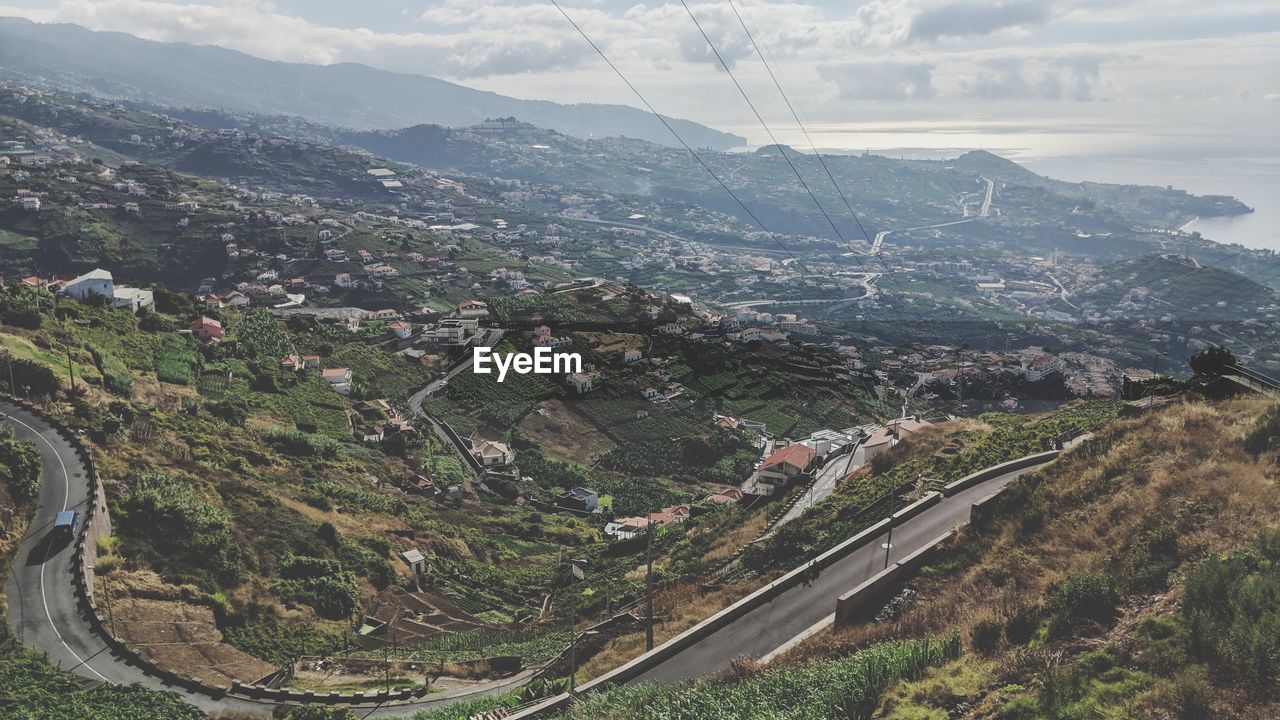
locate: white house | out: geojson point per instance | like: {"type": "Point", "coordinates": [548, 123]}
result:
{"type": "Point", "coordinates": [401, 329]}
{"type": "Point", "coordinates": [132, 298]}
{"type": "Point", "coordinates": [94, 282]}
{"type": "Point", "coordinates": [490, 453]}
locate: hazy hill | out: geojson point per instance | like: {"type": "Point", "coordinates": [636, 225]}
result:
{"type": "Point", "coordinates": [347, 94]}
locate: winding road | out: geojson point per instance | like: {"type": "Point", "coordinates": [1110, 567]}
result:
{"type": "Point", "coordinates": [45, 612]}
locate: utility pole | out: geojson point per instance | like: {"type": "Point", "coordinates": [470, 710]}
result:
{"type": "Point", "coordinates": [888, 543]}
{"type": "Point", "coordinates": [13, 389]}
{"type": "Point", "coordinates": [648, 586]}
{"type": "Point", "coordinates": [71, 369]}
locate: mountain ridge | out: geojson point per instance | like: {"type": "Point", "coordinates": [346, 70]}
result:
{"type": "Point", "coordinates": [345, 94]}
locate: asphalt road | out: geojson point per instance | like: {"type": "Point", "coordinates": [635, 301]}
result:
{"type": "Point", "coordinates": [773, 624]}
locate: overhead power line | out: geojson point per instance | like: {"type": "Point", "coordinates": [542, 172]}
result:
{"type": "Point", "coordinates": [796, 115]}
{"type": "Point", "coordinates": [763, 124]}
{"type": "Point", "coordinates": [681, 140]}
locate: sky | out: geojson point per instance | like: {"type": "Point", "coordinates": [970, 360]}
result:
{"type": "Point", "coordinates": [1178, 79]}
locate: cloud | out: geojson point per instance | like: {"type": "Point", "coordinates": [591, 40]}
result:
{"type": "Point", "coordinates": [880, 80]}
{"type": "Point", "coordinates": [1045, 78]}
{"type": "Point", "coordinates": [970, 18]}
{"type": "Point", "coordinates": [468, 41]}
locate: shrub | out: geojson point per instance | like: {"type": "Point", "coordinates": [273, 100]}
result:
{"type": "Point", "coordinates": [1021, 626]}
{"type": "Point", "coordinates": [1265, 436]}
{"type": "Point", "coordinates": [1083, 597]}
{"type": "Point", "coordinates": [301, 444]}
{"type": "Point", "coordinates": [281, 644]}
{"type": "Point", "coordinates": [190, 531]}
{"type": "Point", "coordinates": [322, 584]}
{"type": "Point", "coordinates": [1190, 694]}
{"type": "Point", "coordinates": [1232, 610]}
{"type": "Point", "coordinates": [259, 337]}
{"type": "Point", "coordinates": [20, 467]}
{"type": "Point", "coordinates": [985, 636]}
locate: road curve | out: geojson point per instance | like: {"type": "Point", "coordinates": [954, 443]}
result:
{"type": "Point", "coordinates": [766, 628]}
{"type": "Point", "coordinates": [46, 614]}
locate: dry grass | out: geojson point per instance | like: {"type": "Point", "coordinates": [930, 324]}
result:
{"type": "Point", "coordinates": [564, 434]}
{"type": "Point", "coordinates": [682, 607]}
{"type": "Point", "coordinates": [1090, 508]}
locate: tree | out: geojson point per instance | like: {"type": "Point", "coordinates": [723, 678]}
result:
{"type": "Point", "coordinates": [1211, 361]}
{"type": "Point", "coordinates": [260, 337]}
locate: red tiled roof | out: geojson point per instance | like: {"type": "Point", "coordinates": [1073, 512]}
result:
{"type": "Point", "coordinates": [797, 455]}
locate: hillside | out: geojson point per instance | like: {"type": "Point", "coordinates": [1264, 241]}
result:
{"type": "Point", "coordinates": [1119, 582]}
{"type": "Point", "coordinates": [122, 66]}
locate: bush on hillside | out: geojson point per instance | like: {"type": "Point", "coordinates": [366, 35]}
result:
{"type": "Point", "coordinates": [1265, 435]}
{"type": "Point", "coordinates": [1084, 597]}
{"type": "Point", "coordinates": [20, 467]}
{"type": "Point", "coordinates": [1231, 607]}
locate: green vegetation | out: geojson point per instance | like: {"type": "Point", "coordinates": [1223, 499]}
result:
{"type": "Point", "coordinates": [295, 442]}
{"type": "Point", "coordinates": [281, 644]}
{"type": "Point", "coordinates": [322, 584]}
{"type": "Point", "coordinates": [848, 687]}
{"type": "Point", "coordinates": [176, 358]}
{"type": "Point", "coordinates": [531, 645]}
{"type": "Point", "coordinates": [1231, 608]}
{"type": "Point", "coordinates": [195, 534]}
{"type": "Point", "coordinates": [33, 689]}
{"type": "Point", "coordinates": [20, 465]}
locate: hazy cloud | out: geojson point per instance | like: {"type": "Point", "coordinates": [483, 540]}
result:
{"type": "Point", "coordinates": [1050, 78]}
{"type": "Point", "coordinates": [968, 18]}
{"type": "Point", "coordinates": [880, 80]}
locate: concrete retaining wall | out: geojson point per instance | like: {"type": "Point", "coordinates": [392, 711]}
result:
{"type": "Point", "coordinates": [640, 665]}
{"type": "Point", "coordinates": [864, 601]}
{"type": "Point", "coordinates": [969, 481]}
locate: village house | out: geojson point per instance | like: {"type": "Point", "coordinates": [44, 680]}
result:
{"type": "Point", "coordinates": [786, 463]}
{"type": "Point", "coordinates": [401, 329]}
{"type": "Point", "coordinates": [292, 363]}
{"type": "Point", "coordinates": [473, 309]}
{"type": "Point", "coordinates": [338, 378]}
{"type": "Point", "coordinates": [206, 329]}
{"type": "Point", "coordinates": [490, 453]}
{"type": "Point", "coordinates": [579, 499]}
{"type": "Point", "coordinates": [582, 383]}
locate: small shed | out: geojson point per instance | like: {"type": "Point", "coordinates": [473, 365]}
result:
{"type": "Point", "coordinates": [417, 563]}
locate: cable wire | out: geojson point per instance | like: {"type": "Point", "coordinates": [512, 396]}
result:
{"type": "Point", "coordinates": [677, 136]}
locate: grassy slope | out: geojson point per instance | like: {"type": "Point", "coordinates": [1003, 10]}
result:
{"type": "Point", "coordinates": [1139, 507]}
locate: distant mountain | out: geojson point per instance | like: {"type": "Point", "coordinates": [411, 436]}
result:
{"type": "Point", "coordinates": [350, 95]}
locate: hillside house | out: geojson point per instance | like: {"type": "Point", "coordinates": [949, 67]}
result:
{"type": "Point", "coordinates": [582, 383]}
{"type": "Point", "coordinates": [626, 528]}
{"type": "Point", "coordinates": [473, 309]}
{"type": "Point", "coordinates": [292, 363]}
{"type": "Point", "coordinates": [401, 329]}
{"type": "Point", "coordinates": [579, 499]}
{"type": "Point", "coordinates": [786, 463]}
{"type": "Point", "coordinates": [206, 329]}
{"type": "Point", "coordinates": [491, 454]}
{"type": "Point", "coordinates": [94, 282]}
{"type": "Point", "coordinates": [729, 496]}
